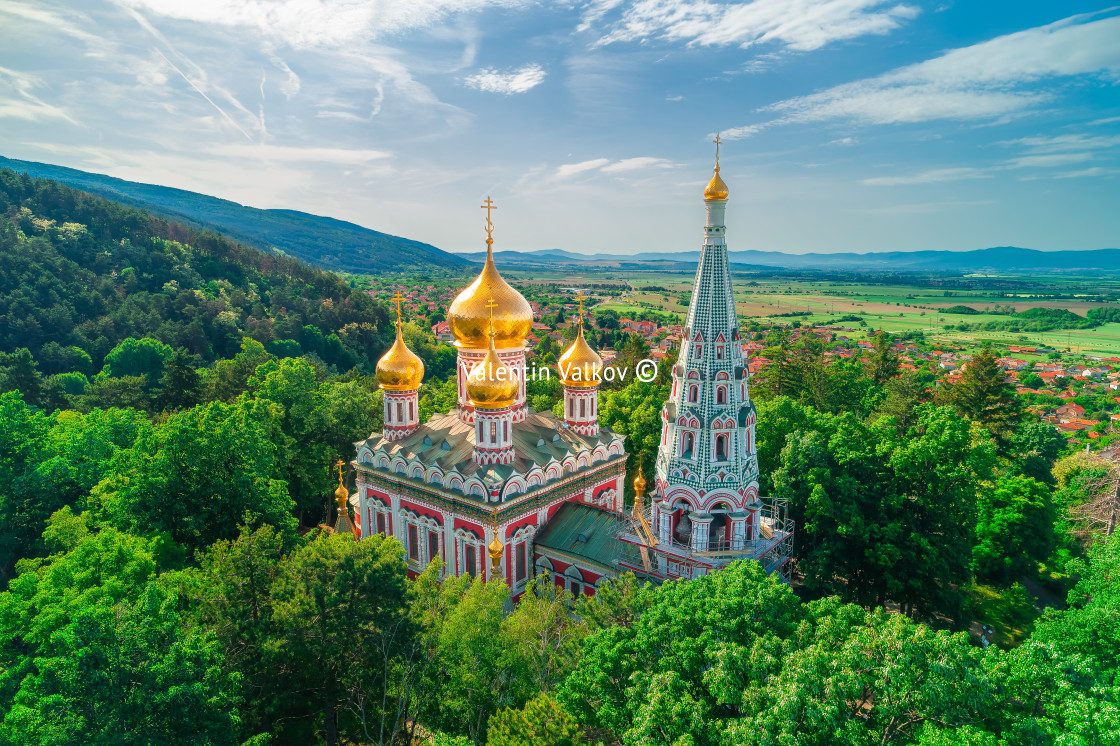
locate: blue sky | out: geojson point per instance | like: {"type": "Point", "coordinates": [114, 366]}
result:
{"type": "Point", "coordinates": [851, 125]}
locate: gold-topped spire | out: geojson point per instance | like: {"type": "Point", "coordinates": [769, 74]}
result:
{"type": "Point", "coordinates": [400, 369]}
{"type": "Point", "coordinates": [716, 189]}
{"type": "Point", "coordinates": [580, 366]}
{"type": "Point", "coordinates": [496, 549]}
{"type": "Point", "coordinates": [639, 482]}
{"type": "Point", "coordinates": [467, 315]}
{"type": "Point", "coordinates": [342, 522]}
{"type": "Point", "coordinates": [492, 384]}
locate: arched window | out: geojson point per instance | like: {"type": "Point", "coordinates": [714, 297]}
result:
{"type": "Point", "coordinates": [721, 448]}
{"type": "Point", "coordinates": [411, 411]}
{"type": "Point", "coordinates": [721, 395]}
{"type": "Point", "coordinates": [505, 431]}
{"type": "Point", "coordinates": [493, 432]}
{"type": "Point", "coordinates": [400, 412]}
{"type": "Point", "coordinates": [582, 408]}
{"type": "Point", "coordinates": [571, 409]}
{"type": "Point", "coordinates": [693, 393]}
{"type": "Point", "coordinates": [687, 442]}
{"type": "Point", "coordinates": [573, 581]}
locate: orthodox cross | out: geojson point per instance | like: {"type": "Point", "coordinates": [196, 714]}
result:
{"type": "Point", "coordinates": [489, 205]}
{"type": "Point", "coordinates": [579, 297]}
{"type": "Point", "coordinates": [491, 305]}
{"type": "Point", "coordinates": [398, 298]}
{"type": "Point", "coordinates": [340, 472]}
{"type": "Point", "coordinates": [717, 141]}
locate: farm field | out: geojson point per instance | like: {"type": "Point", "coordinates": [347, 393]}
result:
{"type": "Point", "coordinates": [894, 307]}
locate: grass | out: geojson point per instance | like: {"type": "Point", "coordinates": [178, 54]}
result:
{"type": "Point", "coordinates": [1010, 612]}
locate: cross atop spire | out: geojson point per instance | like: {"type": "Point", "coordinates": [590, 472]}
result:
{"type": "Point", "coordinates": [398, 298]}
{"type": "Point", "coordinates": [489, 205]}
{"type": "Point", "coordinates": [717, 141]}
{"type": "Point", "coordinates": [580, 296]}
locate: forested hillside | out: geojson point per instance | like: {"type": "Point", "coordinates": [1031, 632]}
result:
{"type": "Point", "coordinates": [89, 286]}
{"type": "Point", "coordinates": [320, 241]}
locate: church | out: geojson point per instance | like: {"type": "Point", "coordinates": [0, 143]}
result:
{"type": "Point", "coordinates": [495, 489]}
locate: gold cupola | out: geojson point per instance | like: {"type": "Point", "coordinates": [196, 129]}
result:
{"type": "Point", "coordinates": [716, 189]}
{"type": "Point", "coordinates": [492, 384]}
{"type": "Point", "coordinates": [400, 369]}
{"type": "Point", "coordinates": [469, 317]}
{"type": "Point", "coordinates": [580, 366]}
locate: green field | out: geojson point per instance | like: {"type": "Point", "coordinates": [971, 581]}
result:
{"type": "Point", "coordinates": [893, 306]}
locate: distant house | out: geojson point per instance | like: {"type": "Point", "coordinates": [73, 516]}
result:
{"type": "Point", "coordinates": [1069, 412]}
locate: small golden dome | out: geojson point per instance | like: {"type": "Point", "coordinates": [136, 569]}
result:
{"type": "Point", "coordinates": [492, 384]}
{"type": "Point", "coordinates": [639, 483]}
{"type": "Point", "coordinates": [400, 369]}
{"type": "Point", "coordinates": [469, 315]}
{"type": "Point", "coordinates": [716, 189]}
{"type": "Point", "coordinates": [341, 495]}
{"type": "Point", "coordinates": [580, 366]}
{"type": "Point", "coordinates": [496, 549]}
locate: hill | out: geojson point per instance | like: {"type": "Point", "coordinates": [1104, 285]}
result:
{"type": "Point", "coordinates": [998, 259]}
{"type": "Point", "coordinates": [325, 242]}
{"type": "Point", "coordinates": [80, 274]}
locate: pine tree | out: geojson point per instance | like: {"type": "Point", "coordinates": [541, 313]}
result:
{"type": "Point", "coordinates": [883, 360]}
{"type": "Point", "coordinates": [984, 395]}
{"type": "Point", "coordinates": [181, 383]}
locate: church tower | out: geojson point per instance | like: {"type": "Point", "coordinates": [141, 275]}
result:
{"type": "Point", "coordinates": [399, 374]}
{"type": "Point", "coordinates": [580, 371]}
{"type": "Point", "coordinates": [706, 476]}
{"type": "Point", "coordinates": [469, 317]}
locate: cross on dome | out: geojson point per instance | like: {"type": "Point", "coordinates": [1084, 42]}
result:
{"type": "Point", "coordinates": [489, 205]}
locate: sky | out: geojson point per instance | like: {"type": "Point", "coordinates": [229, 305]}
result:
{"type": "Point", "coordinates": [848, 125]}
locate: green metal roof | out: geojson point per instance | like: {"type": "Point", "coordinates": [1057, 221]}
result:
{"type": "Point", "coordinates": [584, 532]}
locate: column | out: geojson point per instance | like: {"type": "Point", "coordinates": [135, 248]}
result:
{"type": "Point", "coordinates": [738, 529]}
{"type": "Point", "coordinates": [701, 526]}
{"type": "Point", "coordinates": [665, 526]}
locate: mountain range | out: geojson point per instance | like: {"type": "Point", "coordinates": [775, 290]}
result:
{"type": "Point", "coordinates": [324, 242]}
{"type": "Point", "coordinates": [997, 259]}
{"type": "Point", "coordinates": [346, 247]}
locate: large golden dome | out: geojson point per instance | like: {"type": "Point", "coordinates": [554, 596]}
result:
{"type": "Point", "coordinates": [469, 315]}
{"type": "Point", "coordinates": [492, 384]}
{"type": "Point", "coordinates": [580, 366]}
{"type": "Point", "coordinates": [400, 369]}
{"type": "Point", "coordinates": [716, 189]}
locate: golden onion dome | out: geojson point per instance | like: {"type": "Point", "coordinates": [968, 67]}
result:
{"type": "Point", "coordinates": [639, 484]}
{"type": "Point", "coordinates": [469, 316]}
{"type": "Point", "coordinates": [716, 189]}
{"type": "Point", "coordinates": [400, 369]}
{"type": "Point", "coordinates": [580, 366]}
{"type": "Point", "coordinates": [496, 549]}
{"type": "Point", "coordinates": [341, 495]}
{"type": "Point", "coordinates": [492, 384]}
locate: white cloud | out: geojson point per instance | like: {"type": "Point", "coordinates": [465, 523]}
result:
{"type": "Point", "coordinates": [1049, 160]}
{"type": "Point", "coordinates": [928, 177]}
{"type": "Point", "coordinates": [1094, 171]}
{"type": "Point", "coordinates": [291, 154]}
{"type": "Point", "coordinates": [604, 165]}
{"type": "Point", "coordinates": [984, 81]}
{"type": "Point", "coordinates": [319, 23]}
{"type": "Point", "coordinates": [571, 169]}
{"type": "Point", "coordinates": [1060, 143]}
{"type": "Point", "coordinates": [23, 104]}
{"type": "Point", "coordinates": [801, 25]}
{"type": "Point", "coordinates": [517, 81]}
{"type": "Point", "coordinates": [633, 164]}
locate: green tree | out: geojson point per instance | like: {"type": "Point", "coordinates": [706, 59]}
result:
{"type": "Point", "coordinates": [19, 372]}
{"type": "Point", "coordinates": [331, 603]}
{"type": "Point", "coordinates": [542, 722]}
{"type": "Point", "coordinates": [903, 394]}
{"type": "Point", "coordinates": [181, 384]}
{"type": "Point", "coordinates": [882, 360]}
{"type": "Point", "coordinates": [138, 357]}
{"type": "Point", "coordinates": [1014, 530]}
{"type": "Point", "coordinates": [198, 474]}
{"type": "Point", "coordinates": [983, 394]}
